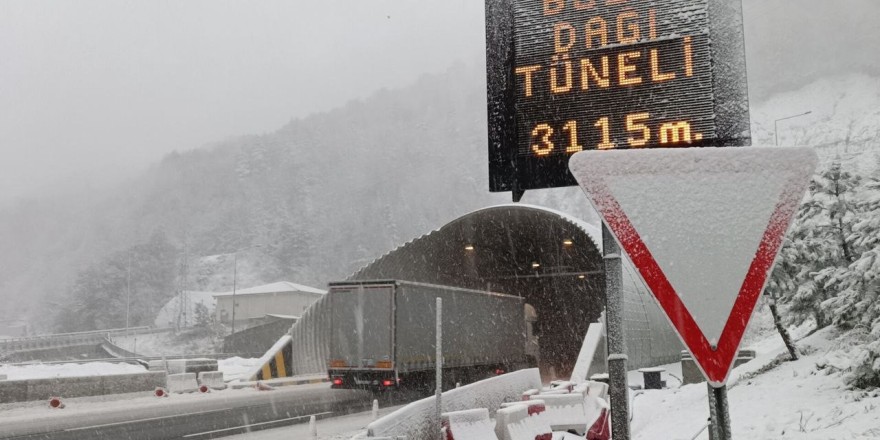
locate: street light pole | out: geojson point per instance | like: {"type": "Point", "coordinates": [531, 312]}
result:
{"type": "Point", "coordinates": [776, 125]}
{"type": "Point", "coordinates": [234, 278]}
{"type": "Point", "coordinates": [128, 296]}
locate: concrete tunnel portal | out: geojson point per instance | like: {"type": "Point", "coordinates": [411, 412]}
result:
{"type": "Point", "coordinates": [551, 260]}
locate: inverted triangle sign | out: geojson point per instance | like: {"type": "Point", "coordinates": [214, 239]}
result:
{"type": "Point", "coordinates": [703, 227]}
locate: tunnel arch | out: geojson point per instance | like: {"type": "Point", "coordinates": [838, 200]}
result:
{"type": "Point", "coordinates": [552, 260]}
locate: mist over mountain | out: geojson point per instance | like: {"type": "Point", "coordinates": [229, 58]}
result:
{"type": "Point", "coordinates": [327, 193]}
{"type": "Point", "coordinates": [324, 195]}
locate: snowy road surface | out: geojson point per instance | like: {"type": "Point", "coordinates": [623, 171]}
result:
{"type": "Point", "coordinates": [193, 415]}
{"type": "Point", "coordinates": [337, 428]}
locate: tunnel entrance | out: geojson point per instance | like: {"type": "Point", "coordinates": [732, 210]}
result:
{"type": "Point", "coordinates": [553, 262]}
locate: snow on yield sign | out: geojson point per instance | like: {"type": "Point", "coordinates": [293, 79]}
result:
{"type": "Point", "coordinates": [703, 227]}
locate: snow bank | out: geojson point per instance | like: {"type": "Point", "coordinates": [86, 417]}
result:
{"type": "Point", "coordinates": [805, 400]}
{"type": "Point", "coordinates": [169, 344]}
{"type": "Point", "coordinates": [237, 368]}
{"type": "Point", "coordinates": [46, 371]}
{"type": "Point", "coordinates": [417, 421]}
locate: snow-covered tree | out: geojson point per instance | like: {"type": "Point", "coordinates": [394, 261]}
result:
{"type": "Point", "coordinates": [856, 305]}
{"type": "Point", "coordinates": [819, 248]}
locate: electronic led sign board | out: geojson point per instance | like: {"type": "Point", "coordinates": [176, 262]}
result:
{"type": "Point", "coordinates": [571, 75]}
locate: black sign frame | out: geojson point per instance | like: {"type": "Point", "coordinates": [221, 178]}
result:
{"type": "Point", "coordinates": [511, 168]}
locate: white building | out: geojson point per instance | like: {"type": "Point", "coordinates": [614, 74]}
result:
{"type": "Point", "coordinates": [254, 303]}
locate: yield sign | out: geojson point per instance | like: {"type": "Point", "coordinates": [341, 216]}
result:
{"type": "Point", "coordinates": [703, 227]}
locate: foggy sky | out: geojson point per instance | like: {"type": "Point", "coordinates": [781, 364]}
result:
{"type": "Point", "coordinates": [93, 90]}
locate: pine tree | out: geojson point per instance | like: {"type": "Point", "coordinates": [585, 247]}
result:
{"type": "Point", "coordinates": [856, 306]}
{"type": "Point", "coordinates": [825, 246]}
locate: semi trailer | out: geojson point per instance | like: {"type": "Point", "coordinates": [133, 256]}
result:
{"type": "Point", "coordinates": [383, 334]}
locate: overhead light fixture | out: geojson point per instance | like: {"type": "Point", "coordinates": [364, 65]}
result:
{"type": "Point", "coordinates": [469, 247]}
{"type": "Point", "coordinates": [536, 265]}
{"type": "Point", "coordinates": [582, 276]}
{"type": "Point", "coordinates": [568, 242]}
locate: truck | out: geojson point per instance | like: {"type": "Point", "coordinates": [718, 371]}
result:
{"type": "Point", "coordinates": [383, 334]}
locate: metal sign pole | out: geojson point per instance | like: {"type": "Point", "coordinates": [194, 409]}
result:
{"type": "Point", "coordinates": [438, 364]}
{"type": "Point", "coordinates": [722, 413]}
{"type": "Point", "coordinates": [713, 418]}
{"type": "Point", "coordinates": [617, 378]}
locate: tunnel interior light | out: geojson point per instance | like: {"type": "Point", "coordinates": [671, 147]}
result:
{"type": "Point", "coordinates": [582, 276]}
{"type": "Point", "coordinates": [469, 247]}
{"type": "Point", "coordinates": [568, 242]}
{"type": "Point", "coordinates": [536, 265]}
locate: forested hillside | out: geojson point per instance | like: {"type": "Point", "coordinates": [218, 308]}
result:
{"type": "Point", "coordinates": [324, 195]}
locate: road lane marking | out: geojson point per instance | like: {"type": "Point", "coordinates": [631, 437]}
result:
{"type": "Point", "coordinates": [142, 420]}
{"type": "Point", "coordinates": [257, 424]}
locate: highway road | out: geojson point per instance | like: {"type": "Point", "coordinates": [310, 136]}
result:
{"type": "Point", "coordinates": [191, 417]}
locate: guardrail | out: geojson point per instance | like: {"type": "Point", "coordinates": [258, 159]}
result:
{"type": "Point", "coordinates": [96, 337]}
{"type": "Point", "coordinates": [141, 359]}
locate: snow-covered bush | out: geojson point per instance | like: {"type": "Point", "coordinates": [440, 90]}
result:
{"type": "Point", "coordinates": [865, 368]}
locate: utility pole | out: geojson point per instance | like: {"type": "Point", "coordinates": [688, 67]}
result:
{"type": "Point", "coordinates": [183, 312]}
{"type": "Point", "coordinates": [235, 277]}
{"type": "Point", "coordinates": [438, 367]}
{"type": "Point", "coordinates": [128, 296]}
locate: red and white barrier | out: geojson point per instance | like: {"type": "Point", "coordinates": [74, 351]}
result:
{"type": "Point", "coordinates": [598, 389]}
{"type": "Point", "coordinates": [601, 429]}
{"type": "Point", "coordinates": [523, 422]}
{"type": "Point", "coordinates": [472, 424]}
{"type": "Point", "coordinates": [527, 395]}
{"type": "Point", "coordinates": [566, 412]}
{"type": "Point", "coordinates": [261, 386]}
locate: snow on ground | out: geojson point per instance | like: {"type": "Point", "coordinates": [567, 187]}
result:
{"type": "Point", "coordinates": [337, 428]}
{"type": "Point", "coordinates": [236, 367]}
{"type": "Point", "coordinates": [770, 399]}
{"type": "Point", "coordinates": [45, 371]}
{"type": "Point", "coordinates": [170, 344]}
{"type": "Point", "coordinates": [170, 314]}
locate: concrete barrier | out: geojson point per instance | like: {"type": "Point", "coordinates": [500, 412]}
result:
{"type": "Point", "coordinates": [67, 387]}
{"type": "Point", "coordinates": [182, 383]}
{"type": "Point", "coordinates": [212, 379]}
{"type": "Point", "coordinates": [178, 366]}
{"type": "Point", "coordinates": [2, 377]}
